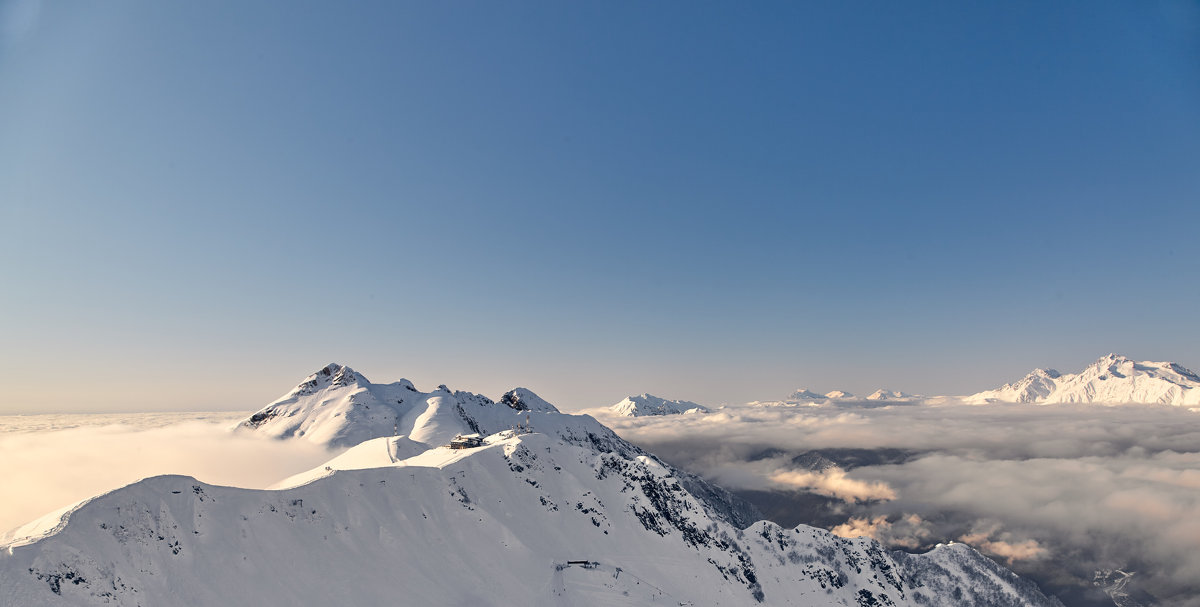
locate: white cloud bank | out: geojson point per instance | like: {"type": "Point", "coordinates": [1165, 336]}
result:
{"type": "Point", "coordinates": [1055, 491]}
{"type": "Point", "coordinates": [833, 482]}
{"type": "Point", "coordinates": [48, 462]}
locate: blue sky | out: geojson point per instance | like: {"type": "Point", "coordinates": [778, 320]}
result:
{"type": "Point", "coordinates": [200, 203]}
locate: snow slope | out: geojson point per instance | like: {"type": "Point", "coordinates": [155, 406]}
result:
{"type": "Point", "coordinates": [339, 407]}
{"type": "Point", "coordinates": [569, 514]}
{"type": "Point", "coordinates": [524, 519]}
{"type": "Point", "coordinates": [883, 394]}
{"type": "Point", "coordinates": [1111, 379]}
{"type": "Point", "coordinates": [648, 404]}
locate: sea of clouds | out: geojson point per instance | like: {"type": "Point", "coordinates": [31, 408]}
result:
{"type": "Point", "coordinates": [53, 461]}
{"type": "Point", "coordinates": [1055, 492]}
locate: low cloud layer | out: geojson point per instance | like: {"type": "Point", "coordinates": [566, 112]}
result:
{"type": "Point", "coordinates": [1056, 492]}
{"type": "Point", "coordinates": [833, 482]}
{"type": "Point", "coordinates": [53, 461]}
{"type": "Point", "coordinates": [909, 531]}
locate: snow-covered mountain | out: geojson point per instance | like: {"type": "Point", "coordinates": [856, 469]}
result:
{"type": "Point", "coordinates": [565, 514]}
{"type": "Point", "coordinates": [339, 407]}
{"type": "Point", "coordinates": [648, 404]}
{"type": "Point", "coordinates": [805, 394]}
{"type": "Point", "coordinates": [1111, 379]}
{"type": "Point", "coordinates": [883, 394]}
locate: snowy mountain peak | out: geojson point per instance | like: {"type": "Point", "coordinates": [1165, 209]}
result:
{"type": "Point", "coordinates": [342, 413]}
{"type": "Point", "coordinates": [1111, 379]}
{"type": "Point", "coordinates": [884, 394]}
{"type": "Point", "coordinates": [333, 374]}
{"type": "Point", "coordinates": [524, 399]}
{"type": "Point", "coordinates": [805, 394]}
{"type": "Point", "coordinates": [648, 404]}
{"type": "Point", "coordinates": [836, 394]}
{"type": "Point", "coordinates": [1112, 358]}
{"type": "Point", "coordinates": [1109, 362]}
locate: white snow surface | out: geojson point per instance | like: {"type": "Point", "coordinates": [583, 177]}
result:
{"type": "Point", "coordinates": [568, 514]}
{"type": "Point", "coordinates": [338, 407]}
{"type": "Point", "coordinates": [494, 525]}
{"type": "Point", "coordinates": [648, 404]}
{"type": "Point", "coordinates": [1111, 379]}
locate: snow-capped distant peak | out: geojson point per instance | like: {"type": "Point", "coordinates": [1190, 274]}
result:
{"type": "Point", "coordinates": [805, 394]}
{"type": "Point", "coordinates": [648, 404]}
{"type": "Point", "coordinates": [1111, 379]}
{"type": "Point", "coordinates": [884, 394]}
{"type": "Point", "coordinates": [836, 394]}
{"type": "Point", "coordinates": [524, 399]}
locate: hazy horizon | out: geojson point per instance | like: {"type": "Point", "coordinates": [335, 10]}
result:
{"type": "Point", "coordinates": [202, 203]}
{"type": "Point", "coordinates": [567, 405]}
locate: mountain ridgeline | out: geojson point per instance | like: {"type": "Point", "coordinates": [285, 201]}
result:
{"type": "Point", "coordinates": [648, 404]}
{"type": "Point", "coordinates": [1111, 379]}
{"type": "Point", "coordinates": [543, 508]}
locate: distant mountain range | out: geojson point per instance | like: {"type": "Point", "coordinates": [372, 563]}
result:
{"type": "Point", "coordinates": [889, 395]}
{"type": "Point", "coordinates": [1111, 379]}
{"type": "Point", "coordinates": [804, 394]}
{"type": "Point", "coordinates": [451, 498]}
{"type": "Point", "coordinates": [648, 404]}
